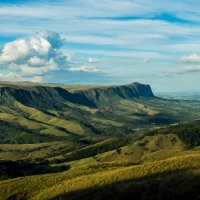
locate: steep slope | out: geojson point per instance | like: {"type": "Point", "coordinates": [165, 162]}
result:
{"type": "Point", "coordinates": [104, 94]}
{"type": "Point", "coordinates": [41, 97]}
{"type": "Point", "coordinates": [55, 97]}
{"type": "Point", "coordinates": [73, 111]}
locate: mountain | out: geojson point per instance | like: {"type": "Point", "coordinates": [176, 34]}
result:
{"type": "Point", "coordinates": [47, 112]}
{"type": "Point", "coordinates": [105, 142]}
{"type": "Point", "coordinates": [105, 94]}
{"type": "Point", "coordinates": [56, 96]}
{"type": "Point", "coordinates": [42, 96]}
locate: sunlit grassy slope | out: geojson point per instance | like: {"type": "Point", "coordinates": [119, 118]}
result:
{"type": "Point", "coordinates": [137, 151]}
{"type": "Point", "coordinates": [149, 162]}
{"type": "Point", "coordinates": [83, 111]}
{"type": "Point", "coordinates": [93, 177]}
{"type": "Point", "coordinates": [91, 142]}
{"type": "Point", "coordinates": [152, 162]}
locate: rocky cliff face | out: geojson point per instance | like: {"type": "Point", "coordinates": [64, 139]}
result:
{"type": "Point", "coordinates": [56, 97]}
{"type": "Point", "coordinates": [130, 91]}
{"type": "Point", "coordinates": [42, 97]}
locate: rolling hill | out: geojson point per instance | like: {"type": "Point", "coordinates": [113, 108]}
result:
{"type": "Point", "coordinates": [97, 142]}
{"type": "Point", "coordinates": [49, 111]}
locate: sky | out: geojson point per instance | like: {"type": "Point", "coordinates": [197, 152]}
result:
{"type": "Point", "coordinates": [102, 42]}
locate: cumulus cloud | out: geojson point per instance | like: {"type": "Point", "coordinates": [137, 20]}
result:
{"type": "Point", "coordinates": [85, 69]}
{"type": "Point", "coordinates": [193, 65]}
{"type": "Point", "coordinates": [34, 55]}
{"type": "Point", "coordinates": [193, 58]}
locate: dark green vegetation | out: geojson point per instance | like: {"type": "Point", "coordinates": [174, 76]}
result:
{"type": "Point", "coordinates": [12, 169]}
{"type": "Point", "coordinates": [42, 113]}
{"type": "Point", "coordinates": [97, 142]}
{"type": "Point", "coordinates": [15, 133]}
{"type": "Point", "coordinates": [189, 134]}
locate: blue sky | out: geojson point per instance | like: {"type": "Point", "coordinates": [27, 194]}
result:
{"type": "Point", "coordinates": [102, 42]}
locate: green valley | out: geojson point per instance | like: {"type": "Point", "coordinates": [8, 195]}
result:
{"type": "Point", "coordinates": [97, 142]}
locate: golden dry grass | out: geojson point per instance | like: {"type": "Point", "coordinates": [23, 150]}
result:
{"type": "Point", "coordinates": [50, 186]}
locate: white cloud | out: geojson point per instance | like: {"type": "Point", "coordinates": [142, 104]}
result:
{"type": "Point", "coordinates": [164, 42]}
{"type": "Point", "coordinates": [36, 61]}
{"type": "Point", "coordinates": [10, 76]}
{"type": "Point", "coordinates": [92, 60]}
{"type": "Point", "coordinates": [182, 70]}
{"type": "Point", "coordinates": [38, 70]}
{"type": "Point", "coordinates": [188, 69]}
{"type": "Point", "coordinates": [63, 9]}
{"type": "Point", "coordinates": [193, 58]}
{"type": "Point", "coordinates": [34, 55]}
{"type": "Point", "coordinates": [85, 69]}
{"type": "Point", "coordinates": [102, 30]}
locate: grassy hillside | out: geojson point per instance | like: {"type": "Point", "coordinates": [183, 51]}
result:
{"type": "Point", "coordinates": [97, 142]}
{"type": "Point", "coordinates": [148, 162]}
{"type": "Point", "coordinates": [52, 112]}
{"type": "Point", "coordinates": [103, 180]}
{"type": "Point", "coordinates": [135, 152]}
{"type": "Point", "coordinates": [15, 133]}
{"type": "Point", "coordinates": [188, 133]}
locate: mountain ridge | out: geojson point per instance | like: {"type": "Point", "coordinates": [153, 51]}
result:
{"type": "Point", "coordinates": [89, 96]}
